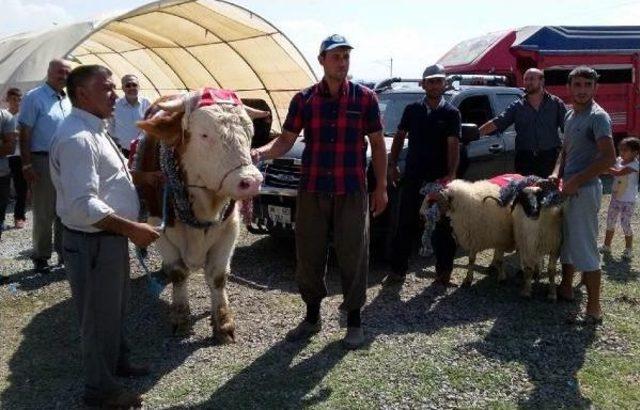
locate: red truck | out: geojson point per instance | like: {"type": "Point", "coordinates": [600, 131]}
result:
{"type": "Point", "coordinates": [614, 51]}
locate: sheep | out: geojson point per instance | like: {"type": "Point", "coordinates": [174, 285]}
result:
{"type": "Point", "coordinates": [478, 224]}
{"type": "Point", "coordinates": [537, 227]}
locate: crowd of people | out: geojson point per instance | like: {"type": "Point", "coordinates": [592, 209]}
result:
{"type": "Point", "coordinates": [74, 136]}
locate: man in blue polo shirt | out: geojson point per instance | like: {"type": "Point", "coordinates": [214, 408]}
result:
{"type": "Point", "coordinates": [42, 110]}
{"type": "Point", "coordinates": [433, 127]}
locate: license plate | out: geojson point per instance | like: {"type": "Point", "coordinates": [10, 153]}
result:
{"type": "Point", "coordinates": [280, 214]}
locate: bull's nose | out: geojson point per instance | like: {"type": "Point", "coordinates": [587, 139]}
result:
{"type": "Point", "coordinates": [249, 186]}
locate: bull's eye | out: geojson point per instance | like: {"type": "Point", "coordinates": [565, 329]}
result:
{"type": "Point", "coordinates": [205, 136]}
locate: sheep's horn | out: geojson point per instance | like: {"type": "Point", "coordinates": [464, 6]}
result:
{"type": "Point", "coordinates": [494, 198]}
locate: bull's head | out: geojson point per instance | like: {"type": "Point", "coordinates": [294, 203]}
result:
{"type": "Point", "coordinates": [212, 143]}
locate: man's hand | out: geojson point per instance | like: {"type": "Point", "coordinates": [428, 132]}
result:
{"type": "Point", "coordinates": [570, 187]}
{"type": "Point", "coordinates": [378, 201]}
{"type": "Point", "coordinates": [255, 156]}
{"type": "Point", "coordinates": [30, 175]}
{"type": "Point", "coordinates": [142, 234]}
{"type": "Point", "coordinates": [393, 175]}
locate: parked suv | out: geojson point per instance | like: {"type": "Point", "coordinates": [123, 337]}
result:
{"type": "Point", "coordinates": [479, 99]}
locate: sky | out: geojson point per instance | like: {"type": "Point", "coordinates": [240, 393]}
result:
{"type": "Point", "coordinates": [413, 34]}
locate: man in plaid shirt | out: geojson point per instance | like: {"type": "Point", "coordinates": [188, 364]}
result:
{"type": "Point", "coordinates": [335, 115]}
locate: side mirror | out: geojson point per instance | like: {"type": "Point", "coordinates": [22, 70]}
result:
{"type": "Point", "coordinates": [470, 133]}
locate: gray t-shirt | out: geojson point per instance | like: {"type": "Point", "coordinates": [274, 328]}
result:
{"type": "Point", "coordinates": [7, 124]}
{"type": "Point", "coordinates": [582, 130]}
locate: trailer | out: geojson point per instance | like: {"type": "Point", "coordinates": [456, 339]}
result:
{"type": "Point", "coordinates": [614, 51]}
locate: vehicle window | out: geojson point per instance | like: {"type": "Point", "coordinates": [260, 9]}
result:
{"type": "Point", "coordinates": [392, 106]}
{"type": "Point", "coordinates": [503, 101]}
{"type": "Point", "coordinates": [476, 109]}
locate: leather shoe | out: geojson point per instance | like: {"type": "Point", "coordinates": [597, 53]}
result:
{"type": "Point", "coordinates": [131, 370]}
{"type": "Point", "coordinates": [41, 266]}
{"type": "Point", "coordinates": [120, 399]}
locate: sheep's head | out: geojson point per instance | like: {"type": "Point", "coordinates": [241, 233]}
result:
{"type": "Point", "coordinates": [530, 199]}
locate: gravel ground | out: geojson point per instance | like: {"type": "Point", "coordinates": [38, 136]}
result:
{"type": "Point", "coordinates": [426, 347]}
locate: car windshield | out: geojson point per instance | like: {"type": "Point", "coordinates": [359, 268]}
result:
{"type": "Point", "coordinates": [392, 106]}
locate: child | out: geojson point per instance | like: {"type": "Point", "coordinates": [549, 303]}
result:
{"type": "Point", "coordinates": [624, 193]}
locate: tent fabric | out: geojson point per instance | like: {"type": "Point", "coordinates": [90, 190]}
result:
{"type": "Point", "coordinates": [175, 46]}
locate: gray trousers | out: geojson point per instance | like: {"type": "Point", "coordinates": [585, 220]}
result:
{"type": "Point", "coordinates": [347, 216]}
{"type": "Point", "coordinates": [44, 211]}
{"type": "Point", "coordinates": [97, 266]}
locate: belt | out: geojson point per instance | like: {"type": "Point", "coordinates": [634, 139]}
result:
{"type": "Point", "coordinates": [537, 152]}
{"type": "Point", "coordinates": [92, 234]}
{"type": "Point", "coordinates": [43, 153]}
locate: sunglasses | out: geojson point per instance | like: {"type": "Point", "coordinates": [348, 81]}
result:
{"type": "Point", "coordinates": [131, 85]}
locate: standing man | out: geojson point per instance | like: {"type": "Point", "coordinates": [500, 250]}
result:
{"type": "Point", "coordinates": [433, 127]}
{"type": "Point", "coordinates": [587, 152]}
{"type": "Point", "coordinates": [537, 117]}
{"type": "Point", "coordinates": [335, 115]}
{"type": "Point", "coordinates": [13, 98]}
{"type": "Point", "coordinates": [8, 136]}
{"type": "Point", "coordinates": [42, 110]}
{"type": "Point", "coordinates": [98, 205]}
{"type": "Point", "coordinates": [129, 110]}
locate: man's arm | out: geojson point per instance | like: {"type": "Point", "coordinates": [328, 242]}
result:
{"type": "Point", "coordinates": [141, 234]}
{"type": "Point", "coordinates": [558, 169]}
{"type": "Point", "coordinates": [621, 171]}
{"type": "Point", "coordinates": [25, 153]}
{"type": "Point", "coordinates": [276, 148]}
{"type": "Point", "coordinates": [487, 128]}
{"type": "Point", "coordinates": [605, 159]}
{"type": "Point", "coordinates": [453, 157]}
{"type": "Point", "coordinates": [379, 197]}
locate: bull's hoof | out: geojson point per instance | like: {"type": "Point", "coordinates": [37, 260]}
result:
{"type": "Point", "coordinates": [225, 337]}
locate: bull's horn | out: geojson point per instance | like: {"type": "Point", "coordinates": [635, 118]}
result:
{"type": "Point", "coordinates": [173, 105]}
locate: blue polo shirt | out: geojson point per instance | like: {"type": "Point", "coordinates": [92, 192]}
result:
{"type": "Point", "coordinates": [43, 109]}
{"type": "Point", "coordinates": [428, 130]}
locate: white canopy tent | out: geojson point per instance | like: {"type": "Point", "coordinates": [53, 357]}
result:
{"type": "Point", "coordinates": [172, 46]}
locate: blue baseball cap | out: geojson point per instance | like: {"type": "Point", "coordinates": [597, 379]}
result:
{"type": "Point", "coordinates": [334, 41]}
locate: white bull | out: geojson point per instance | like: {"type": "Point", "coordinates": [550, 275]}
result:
{"type": "Point", "coordinates": [210, 150]}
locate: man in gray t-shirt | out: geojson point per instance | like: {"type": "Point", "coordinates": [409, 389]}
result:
{"type": "Point", "coordinates": [587, 152]}
{"type": "Point", "coordinates": [8, 136]}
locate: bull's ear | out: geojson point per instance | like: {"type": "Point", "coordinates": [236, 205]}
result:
{"type": "Point", "coordinates": [167, 128]}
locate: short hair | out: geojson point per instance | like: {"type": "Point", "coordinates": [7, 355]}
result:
{"type": "Point", "coordinates": [80, 75]}
{"type": "Point", "coordinates": [632, 143]}
{"type": "Point", "coordinates": [536, 71]}
{"type": "Point", "coordinates": [14, 91]}
{"type": "Point", "coordinates": [584, 71]}
{"type": "Point", "coordinates": [126, 77]}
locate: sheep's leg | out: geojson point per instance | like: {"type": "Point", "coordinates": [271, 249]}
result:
{"type": "Point", "coordinates": [498, 263]}
{"type": "Point", "coordinates": [526, 284]}
{"type": "Point", "coordinates": [468, 280]}
{"type": "Point", "coordinates": [551, 272]}
{"type": "Point", "coordinates": [539, 268]}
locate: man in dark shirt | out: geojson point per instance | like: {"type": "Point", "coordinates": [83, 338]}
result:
{"type": "Point", "coordinates": [537, 117]}
{"type": "Point", "coordinates": [336, 115]}
{"type": "Point", "coordinates": [433, 127]}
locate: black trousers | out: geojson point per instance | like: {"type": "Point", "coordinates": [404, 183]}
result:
{"type": "Point", "coordinates": [444, 245]}
{"type": "Point", "coordinates": [408, 224]}
{"type": "Point", "coordinates": [20, 185]}
{"type": "Point", "coordinates": [539, 163]}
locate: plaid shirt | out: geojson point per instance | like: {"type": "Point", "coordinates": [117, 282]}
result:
{"type": "Point", "coordinates": [334, 157]}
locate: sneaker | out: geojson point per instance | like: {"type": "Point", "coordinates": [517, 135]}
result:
{"type": "Point", "coordinates": [303, 331]}
{"type": "Point", "coordinates": [605, 250]}
{"type": "Point", "coordinates": [627, 254]}
{"type": "Point", "coordinates": [354, 338]}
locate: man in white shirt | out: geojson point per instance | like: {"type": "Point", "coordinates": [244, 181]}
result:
{"type": "Point", "coordinates": [98, 206]}
{"type": "Point", "coordinates": [129, 110]}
